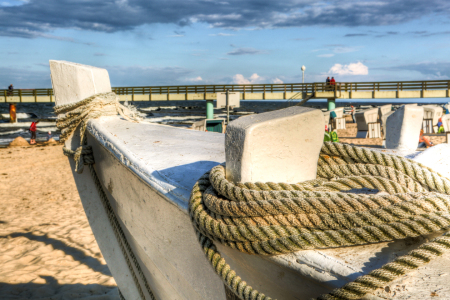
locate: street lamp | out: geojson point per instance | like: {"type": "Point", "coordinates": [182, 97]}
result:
{"type": "Point", "coordinates": [303, 74]}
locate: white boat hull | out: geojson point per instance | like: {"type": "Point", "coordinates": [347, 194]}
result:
{"type": "Point", "coordinates": [148, 187]}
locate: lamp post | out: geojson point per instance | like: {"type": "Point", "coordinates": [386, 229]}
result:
{"type": "Point", "coordinates": [303, 74]}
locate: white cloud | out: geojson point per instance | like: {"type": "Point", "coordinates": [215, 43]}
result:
{"type": "Point", "coordinates": [240, 79]}
{"type": "Point", "coordinates": [277, 80]}
{"type": "Point", "coordinates": [222, 34]}
{"type": "Point", "coordinates": [198, 78]}
{"type": "Point", "coordinates": [351, 69]}
{"type": "Point", "coordinates": [345, 49]}
{"type": "Point", "coordinates": [326, 55]}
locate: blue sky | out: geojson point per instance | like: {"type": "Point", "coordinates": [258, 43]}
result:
{"type": "Point", "coordinates": [175, 42]}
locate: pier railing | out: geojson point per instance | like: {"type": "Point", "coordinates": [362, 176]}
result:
{"type": "Point", "coordinates": [46, 95]}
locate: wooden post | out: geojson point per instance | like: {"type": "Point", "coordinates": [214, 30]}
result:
{"type": "Point", "coordinates": [243, 94]}
{"type": "Point", "coordinates": [264, 93]}
{"type": "Point", "coordinates": [35, 95]}
{"type": "Point", "coordinates": [20, 95]}
{"type": "Point", "coordinates": [5, 96]}
{"type": "Point", "coordinates": [150, 94]}
{"type": "Point", "coordinates": [132, 94]}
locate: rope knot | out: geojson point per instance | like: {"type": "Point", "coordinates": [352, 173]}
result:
{"type": "Point", "coordinates": [82, 156]}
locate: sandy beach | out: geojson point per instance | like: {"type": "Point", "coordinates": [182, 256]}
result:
{"type": "Point", "coordinates": [47, 249]}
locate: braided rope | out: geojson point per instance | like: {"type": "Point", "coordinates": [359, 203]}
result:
{"type": "Point", "coordinates": [276, 218]}
{"type": "Point", "coordinates": [71, 115]}
{"type": "Point", "coordinates": [78, 114]}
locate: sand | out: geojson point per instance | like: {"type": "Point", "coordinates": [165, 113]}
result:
{"type": "Point", "coordinates": [47, 249]}
{"type": "Point", "coordinates": [19, 142]}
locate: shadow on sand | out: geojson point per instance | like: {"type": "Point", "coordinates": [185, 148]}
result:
{"type": "Point", "coordinates": [51, 289]}
{"type": "Point", "coordinates": [77, 254]}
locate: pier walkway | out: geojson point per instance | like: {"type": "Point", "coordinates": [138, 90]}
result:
{"type": "Point", "coordinates": [288, 91]}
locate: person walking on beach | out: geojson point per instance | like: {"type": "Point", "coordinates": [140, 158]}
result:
{"type": "Point", "coordinates": [33, 132]}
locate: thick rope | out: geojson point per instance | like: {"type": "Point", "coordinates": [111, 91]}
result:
{"type": "Point", "coordinates": [71, 115]}
{"type": "Point", "coordinates": [78, 114]}
{"type": "Point", "coordinates": [277, 218]}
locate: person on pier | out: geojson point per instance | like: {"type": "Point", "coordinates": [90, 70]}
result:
{"type": "Point", "coordinates": [10, 89]}
{"type": "Point", "coordinates": [332, 82]}
{"type": "Point", "coordinates": [327, 84]}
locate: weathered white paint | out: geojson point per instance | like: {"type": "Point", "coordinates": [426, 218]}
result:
{"type": "Point", "coordinates": [365, 117]}
{"type": "Point", "coordinates": [384, 109]}
{"type": "Point", "coordinates": [270, 146]}
{"type": "Point", "coordinates": [73, 82]}
{"type": "Point", "coordinates": [326, 117]}
{"type": "Point", "coordinates": [433, 112]}
{"type": "Point", "coordinates": [403, 128]}
{"type": "Point", "coordinates": [383, 122]}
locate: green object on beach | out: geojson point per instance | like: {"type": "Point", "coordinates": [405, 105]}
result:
{"type": "Point", "coordinates": [334, 137]}
{"type": "Point", "coordinates": [331, 137]}
{"type": "Point", "coordinates": [209, 109]}
{"type": "Point", "coordinates": [214, 125]}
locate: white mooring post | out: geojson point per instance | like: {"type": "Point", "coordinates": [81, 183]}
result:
{"type": "Point", "coordinates": [403, 128]}
{"type": "Point", "coordinates": [277, 146]}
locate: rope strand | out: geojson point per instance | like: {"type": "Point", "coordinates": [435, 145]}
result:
{"type": "Point", "coordinates": [278, 218]}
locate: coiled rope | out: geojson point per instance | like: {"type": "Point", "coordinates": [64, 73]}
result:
{"type": "Point", "coordinates": [276, 218]}
{"type": "Point", "coordinates": [70, 116]}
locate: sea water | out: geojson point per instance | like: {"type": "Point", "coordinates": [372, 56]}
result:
{"type": "Point", "coordinates": [175, 113]}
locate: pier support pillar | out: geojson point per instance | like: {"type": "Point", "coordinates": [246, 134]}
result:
{"type": "Point", "coordinates": [209, 109]}
{"type": "Point", "coordinates": [331, 103]}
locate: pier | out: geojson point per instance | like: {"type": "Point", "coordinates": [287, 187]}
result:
{"type": "Point", "coordinates": [288, 91]}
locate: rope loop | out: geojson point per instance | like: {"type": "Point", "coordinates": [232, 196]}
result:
{"type": "Point", "coordinates": [82, 156]}
{"type": "Point", "coordinates": [330, 211]}
{"type": "Point", "coordinates": [71, 115]}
